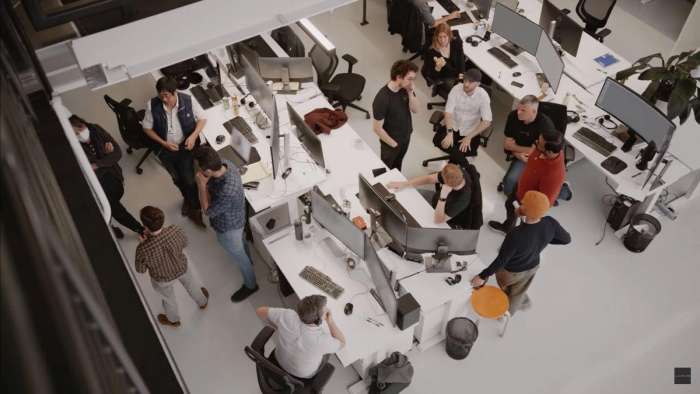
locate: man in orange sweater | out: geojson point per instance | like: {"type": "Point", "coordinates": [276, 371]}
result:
{"type": "Point", "coordinates": [544, 172]}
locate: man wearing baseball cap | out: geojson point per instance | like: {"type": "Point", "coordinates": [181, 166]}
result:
{"type": "Point", "coordinates": [519, 256]}
{"type": "Point", "coordinates": [467, 115]}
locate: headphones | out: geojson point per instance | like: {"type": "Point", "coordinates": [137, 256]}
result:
{"type": "Point", "coordinates": [602, 120]}
{"type": "Point", "coordinates": [472, 40]}
{"type": "Point", "coordinates": [453, 280]}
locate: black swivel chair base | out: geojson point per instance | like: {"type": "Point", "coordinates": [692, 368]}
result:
{"type": "Point", "coordinates": [139, 170]}
{"type": "Point", "coordinates": [439, 158]}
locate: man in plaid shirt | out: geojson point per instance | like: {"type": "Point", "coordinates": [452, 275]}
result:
{"type": "Point", "coordinates": [161, 253]}
{"type": "Point", "coordinates": [222, 199]}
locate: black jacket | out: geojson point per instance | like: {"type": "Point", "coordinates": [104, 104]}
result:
{"type": "Point", "coordinates": [406, 20]}
{"type": "Point", "coordinates": [107, 163]}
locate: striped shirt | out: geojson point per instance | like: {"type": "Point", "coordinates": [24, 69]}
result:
{"type": "Point", "coordinates": [162, 255]}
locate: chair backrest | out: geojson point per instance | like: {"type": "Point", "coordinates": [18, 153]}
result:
{"type": "Point", "coordinates": [324, 64]}
{"type": "Point", "coordinates": [129, 123]}
{"type": "Point", "coordinates": [558, 114]}
{"type": "Point", "coordinates": [271, 378]}
{"type": "Point", "coordinates": [289, 41]}
{"type": "Point", "coordinates": [594, 13]}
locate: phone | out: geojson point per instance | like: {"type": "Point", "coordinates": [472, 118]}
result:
{"type": "Point", "coordinates": [378, 171]}
{"type": "Point", "coordinates": [517, 84]}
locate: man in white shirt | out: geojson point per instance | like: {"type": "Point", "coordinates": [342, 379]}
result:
{"type": "Point", "coordinates": [174, 121]}
{"type": "Point", "coordinates": [467, 114]}
{"type": "Point", "coordinates": [303, 339]}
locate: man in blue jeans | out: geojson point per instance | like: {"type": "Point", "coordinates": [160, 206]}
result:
{"type": "Point", "coordinates": [222, 199]}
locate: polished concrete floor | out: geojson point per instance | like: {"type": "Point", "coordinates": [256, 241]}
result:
{"type": "Point", "coordinates": [604, 320]}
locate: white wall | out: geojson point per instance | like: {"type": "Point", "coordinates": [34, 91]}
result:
{"type": "Point", "coordinates": [689, 38]}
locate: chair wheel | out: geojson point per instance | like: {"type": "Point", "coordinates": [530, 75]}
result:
{"type": "Point", "coordinates": [430, 106]}
{"type": "Point", "coordinates": [425, 164]}
{"type": "Point", "coordinates": [139, 171]}
{"type": "Point", "coordinates": [129, 150]}
{"type": "Point", "coordinates": [366, 116]}
{"type": "Point", "coordinates": [500, 187]}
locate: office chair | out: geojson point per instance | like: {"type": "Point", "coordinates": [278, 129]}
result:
{"type": "Point", "coordinates": [274, 380]}
{"type": "Point", "coordinates": [438, 88]}
{"type": "Point", "coordinates": [557, 113]}
{"type": "Point", "coordinates": [289, 41]}
{"type": "Point", "coordinates": [130, 128]}
{"type": "Point", "coordinates": [595, 14]}
{"type": "Point", "coordinates": [480, 140]}
{"type": "Point", "coordinates": [342, 89]}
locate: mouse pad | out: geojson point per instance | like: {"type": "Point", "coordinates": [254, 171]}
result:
{"type": "Point", "coordinates": [613, 164]}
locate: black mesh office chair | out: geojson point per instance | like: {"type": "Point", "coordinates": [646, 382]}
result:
{"type": "Point", "coordinates": [274, 380]}
{"type": "Point", "coordinates": [130, 128]}
{"type": "Point", "coordinates": [343, 89]}
{"type": "Point", "coordinates": [595, 14]}
{"type": "Point", "coordinates": [289, 41]}
{"type": "Point", "coordinates": [453, 154]}
{"type": "Point", "coordinates": [557, 113]}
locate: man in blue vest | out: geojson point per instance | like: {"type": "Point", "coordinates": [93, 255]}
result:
{"type": "Point", "coordinates": [174, 121]}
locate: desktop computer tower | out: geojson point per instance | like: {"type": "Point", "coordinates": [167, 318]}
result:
{"type": "Point", "coordinates": [408, 311]}
{"type": "Point", "coordinates": [621, 212]}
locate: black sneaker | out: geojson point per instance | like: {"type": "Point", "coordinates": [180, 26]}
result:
{"type": "Point", "coordinates": [567, 185]}
{"type": "Point", "coordinates": [243, 293]}
{"type": "Point", "coordinates": [118, 232]}
{"type": "Point", "coordinates": [497, 226]}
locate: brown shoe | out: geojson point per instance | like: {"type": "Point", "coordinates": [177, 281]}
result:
{"type": "Point", "coordinates": [162, 319]}
{"type": "Point", "coordinates": [195, 216]}
{"type": "Point", "coordinates": [206, 294]}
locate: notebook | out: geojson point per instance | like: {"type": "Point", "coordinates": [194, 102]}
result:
{"type": "Point", "coordinates": [606, 60]}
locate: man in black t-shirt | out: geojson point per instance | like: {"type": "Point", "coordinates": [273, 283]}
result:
{"type": "Point", "coordinates": [392, 108]}
{"type": "Point", "coordinates": [455, 194]}
{"type": "Point", "coordinates": [523, 128]}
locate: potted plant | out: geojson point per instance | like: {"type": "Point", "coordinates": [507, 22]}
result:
{"type": "Point", "coordinates": [671, 81]}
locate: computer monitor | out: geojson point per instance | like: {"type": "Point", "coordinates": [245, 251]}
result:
{"type": "Point", "coordinates": [550, 62]}
{"type": "Point", "coordinates": [516, 28]}
{"type": "Point", "coordinates": [382, 281]}
{"type": "Point", "coordinates": [427, 240]}
{"type": "Point", "coordinates": [483, 8]}
{"type": "Point", "coordinates": [644, 119]}
{"type": "Point", "coordinates": [371, 200]}
{"type": "Point", "coordinates": [275, 153]}
{"type": "Point", "coordinates": [309, 140]}
{"type": "Point", "coordinates": [337, 224]}
{"type": "Point", "coordinates": [566, 31]}
{"type": "Point", "coordinates": [286, 69]}
{"type": "Point", "coordinates": [258, 88]}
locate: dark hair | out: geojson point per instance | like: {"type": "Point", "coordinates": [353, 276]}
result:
{"type": "Point", "coordinates": [402, 67]}
{"type": "Point", "coordinates": [473, 75]}
{"type": "Point", "coordinates": [166, 84]}
{"type": "Point", "coordinates": [77, 121]}
{"type": "Point", "coordinates": [310, 309]}
{"type": "Point", "coordinates": [207, 158]}
{"type": "Point", "coordinates": [152, 218]}
{"type": "Point", "coordinates": [553, 141]}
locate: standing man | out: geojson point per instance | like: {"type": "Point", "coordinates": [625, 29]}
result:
{"type": "Point", "coordinates": [174, 121]}
{"type": "Point", "coordinates": [519, 256]}
{"type": "Point", "coordinates": [222, 199]}
{"type": "Point", "coordinates": [523, 126]}
{"type": "Point", "coordinates": [302, 342]}
{"type": "Point", "coordinates": [161, 253]}
{"type": "Point", "coordinates": [104, 153]}
{"type": "Point", "coordinates": [544, 172]}
{"type": "Point", "coordinates": [467, 114]}
{"type": "Point", "coordinates": [392, 108]}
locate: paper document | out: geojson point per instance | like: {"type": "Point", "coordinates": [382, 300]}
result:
{"type": "Point", "coordinates": [255, 172]}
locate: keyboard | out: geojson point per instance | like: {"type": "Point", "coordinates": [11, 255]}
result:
{"type": "Point", "coordinates": [383, 192]}
{"type": "Point", "coordinates": [448, 5]}
{"type": "Point", "coordinates": [595, 141]}
{"type": "Point", "coordinates": [321, 281]}
{"type": "Point", "coordinates": [503, 57]}
{"type": "Point", "coordinates": [241, 125]}
{"type": "Point", "coordinates": [462, 20]}
{"type": "Point", "coordinates": [201, 96]}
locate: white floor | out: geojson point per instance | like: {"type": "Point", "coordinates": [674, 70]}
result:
{"type": "Point", "coordinates": [604, 320]}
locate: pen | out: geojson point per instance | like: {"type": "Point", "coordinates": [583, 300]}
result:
{"type": "Point", "coordinates": [636, 175]}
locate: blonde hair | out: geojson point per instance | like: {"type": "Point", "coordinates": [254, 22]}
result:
{"type": "Point", "coordinates": [452, 175]}
{"type": "Point", "coordinates": [439, 29]}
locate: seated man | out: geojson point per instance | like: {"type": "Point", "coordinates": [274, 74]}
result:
{"type": "Point", "coordinates": [302, 342]}
{"type": "Point", "coordinates": [523, 126]}
{"type": "Point", "coordinates": [544, 172]}
{"type": "Point", "coordinates": [455, 196]}
{"type": "Point", "coordinates": [467, 114]}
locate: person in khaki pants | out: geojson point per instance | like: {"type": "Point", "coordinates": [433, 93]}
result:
{"type": "Point", "coordinates": [519, 257]}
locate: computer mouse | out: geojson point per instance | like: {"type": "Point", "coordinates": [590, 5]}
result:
{"type": "Point", "coordinates": [517, 74]}
{"type": "Point", "coordinates": [348, 308]}
{"type": "Point", "coordinates": [220, 139]}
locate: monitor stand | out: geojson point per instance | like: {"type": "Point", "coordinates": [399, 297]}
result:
{"type": "Point", "coordinates": [512, 48]}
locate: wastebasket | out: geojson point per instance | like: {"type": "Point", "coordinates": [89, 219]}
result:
{"type": "Point", "coordinates": [643, 228]}
{"type": "Point", "coordinates": [461, 333]}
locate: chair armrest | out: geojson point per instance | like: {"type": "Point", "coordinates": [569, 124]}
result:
{"type": "Point", "coordinates": [125, 102]}
{"type": "Point", "coordinates": [141, 114]}
{"type": "Point", "coordinates": [322, 377]}
{"type": "Point", "coordinates": [485, 135]}
{"type": "Point", "coordinates": [436, 117]}
{"type": "Point", "coordinates": [565, 11]}
{"type": "Point", "coordinates": [351, 61]}
{"type": "Point", "coordinates": [569, 153]}
{"type": "Point", "coordinates": [602, 34]}
{"type": "Point", "coordinates": [261, 339]}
